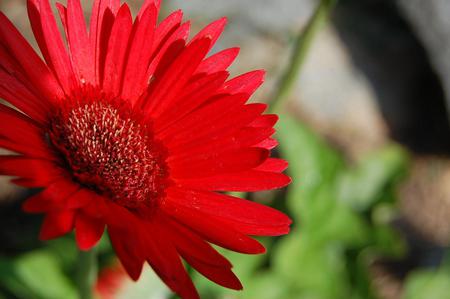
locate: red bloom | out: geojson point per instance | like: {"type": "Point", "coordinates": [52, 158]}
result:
{"type": "Point", "coordinates": [129, 127]}
{"type": "Point", "coordinates": [109, 281]}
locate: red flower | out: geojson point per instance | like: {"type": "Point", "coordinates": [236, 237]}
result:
{"type": "Point", "coordinates": [109, 281]}
{"type": "Point", "coordinates": [131, 128]}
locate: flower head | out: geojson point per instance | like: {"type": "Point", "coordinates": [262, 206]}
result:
{"type": "Point", "coordinates": [130, 127]}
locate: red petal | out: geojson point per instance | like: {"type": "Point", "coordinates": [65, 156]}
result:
{"type": "Point", "coordinates": [246, 181]}
{"type": "Point", "coordinates": [21, 120]}
{"type": "Point", "coordinates": [21, 149]}
{"type": "Point", "coordinates": [81, 199]}
{"type": "Point", "coordinates": [269, 144]}
{"type": "Point", "coordinates": [202, 256]}
{"type": "Point", "coordinates": [195, 94]}
{"type": "Point", "coordinates": [23, 134]}
{"type": "Point", "coordinates": [210, 164]}
{"type": "Point", "coordinates": [212, 230]}
{"type": "Point", "coordinates": [59, 59]}
{"type": "Point", "coordinates": [246, 83]}
{"type": "Point", "coordinates": [117, 48]}
{"type": "Point", "coordinates": [218, 62]}
{"type": "Point", "coordinates": [9, 64]}
{"type": "Point", "coordinates": [212, 31]}
{"type": "Point", "coordinates": [147, 4]}
{"type": "Point", "coordinates": [244, 216]}
{"type": "Point", "coordinates": [40, 172]}
{"type": "Point", "coordinates": [35, 21]}
{"type": "Point", "coordinates": [62, 10]}
{"type": "Point", "coordinates": [51, 198]}
{"type": "Point", "coordinates": [273, 165]}
{"type": "Point", "coordinates": [118, 216]}
{"type": "Point", "coordinates": [222, 276]}
{"type": "Point", "coordinates": [88, 230]}
{"type": "Point", "coordinates": [210, 113]}
{"type": "Point", "coordinates": [212, 126]}
{"type": "Point", "coordinates": [139, 55]}
{"type": "Point", "coordinates": [267, 120]}
{"type": "Point", "coordinates": [167, 52]}
{"type": "Point", "coordinates": [57, 224]}
{"type": "Point", "coordinates": [177, 75]}
{"type": "Point", "coordinates": [37, 204]}
{"type": "Point", "coordinates": [15, 93]}
{"type": "Point", "coordinates": [165, 29]}
{"type": "Point", "coordinates": [34, 68]}
{"type": "Point", "coordinates": [191, 244]}
{"type": "Point", "coordinates": [124, 244]}
{"type": "Point", "coordinates": [165, 261]}
{"type": "Point", "coordinates": [78, 41]}
{"type": "Point", "coordinates": [244, 137]}
{"type": "Point", "coordinates": [166, 33]}
{"type": "Point", "coordinates": [103, 12]}
{"type": "Point", "coordinates": [16, 89]}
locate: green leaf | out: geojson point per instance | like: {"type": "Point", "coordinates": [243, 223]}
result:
{"type": "Point", "coordinates": [343, 226]}
{"type": "Point", "coordinates": [387, 241]}
{"type": "Point", "coordinates": [363, 185]}
{"type": "Point", "coordinates": [10, 282]}
{"type": "Point", "coordinates": [428, 285]}
{"type": "Point", "coordinates": [64, 251]}
{"type": "Point", "coordinates": [310, 267]}
{"type": "Point", "coordinates": [41, 274]}
{"type": "Point", "coordinates": [266, 285]}
{"type": "Point", "coordinates": [313, 164]}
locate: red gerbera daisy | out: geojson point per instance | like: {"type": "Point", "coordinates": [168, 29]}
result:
{"type": "Point", "coordinates": [109, 281]}
{"type": "Point", "coordinates": [131, 128]}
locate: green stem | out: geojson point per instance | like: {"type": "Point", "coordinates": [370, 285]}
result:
{"type": "Point", "coordinates": [86, 272]}
{"type": "Point", "coordinates": [301, 47]}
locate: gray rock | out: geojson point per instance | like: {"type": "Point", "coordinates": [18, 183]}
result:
{"type": "Point", "coordinates": [338, 98]}
{"type": "Point", "coordinates": [265, 15]}
{"type": "Point", "coordinates": [431, 20]}
{"type": "Point", "coordinates": [408, 91]}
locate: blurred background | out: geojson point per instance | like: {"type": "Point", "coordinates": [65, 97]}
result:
{"type": "Point", "coordinates": [366, 131]}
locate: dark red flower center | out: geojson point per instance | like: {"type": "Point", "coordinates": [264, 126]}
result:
{"type": "Point", "coordinates": [110, 152]}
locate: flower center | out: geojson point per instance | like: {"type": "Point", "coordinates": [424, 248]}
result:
{"type": "Point", "coordinates": [110, 152]}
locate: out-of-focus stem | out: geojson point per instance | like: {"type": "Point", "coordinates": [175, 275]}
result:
{"type": "Point", "coordinates": [86, 273]}
{"type": "Point", "coordinates": [301, 47]}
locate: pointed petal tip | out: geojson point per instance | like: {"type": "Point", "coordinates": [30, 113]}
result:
{"type": "Point", "coordinates": [135, 273]}
{"type": "Point", "coordinates": [44, 237]}
{"type": "Point", "coordinates": [235, 50]}
{"type": "Point", "coordinates": [288, 222]}
{"type": "Point", "coordinates": [288, 180]}
{"type": "Point", "coordinates": [275, 117]}
{"type": "Point", "coordinates": [86, 243]}
{"type": "Point", "coordinates": [261, 250]}
{"type": "Point", "coordinates": [85, 248]}
{"type": "Point", "coordinates": [261, 73]}
{"type": "Point", "coordinates": [238, 286]}
{"type": "Point", "coordinates": [125, 8]}
{"type": "Point", "coordinates": [256, 248]}
{"type": "Point", "coordinates": [32, 206]}
{"type": "Point", "coordinates": [223, 20]}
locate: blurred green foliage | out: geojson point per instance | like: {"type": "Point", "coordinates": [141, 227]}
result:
{"type": "Point", "coordinates": [428, 284]}
{"type": "Point", "coordinates": [37, 274]}
{"type": "Point", "coordinates": [45, 273]}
